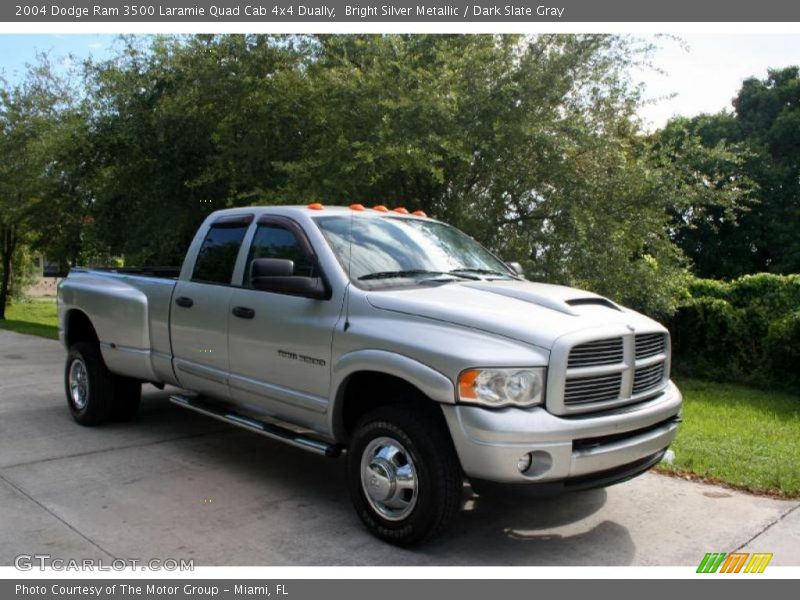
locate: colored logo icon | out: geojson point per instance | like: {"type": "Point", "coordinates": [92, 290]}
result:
{"type": "Point", "coordinates": [735, 562]}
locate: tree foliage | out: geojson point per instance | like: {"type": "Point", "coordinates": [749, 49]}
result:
{"type": "Point", "coordinates": [29, 116]}
{"type": "Point", "coordinates": [765, 129]}
{"type": "Point", "coordinates": [528, 143]}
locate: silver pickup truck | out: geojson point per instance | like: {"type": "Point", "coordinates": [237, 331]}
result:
{"type": "Point", "coordinates": [389, 336]}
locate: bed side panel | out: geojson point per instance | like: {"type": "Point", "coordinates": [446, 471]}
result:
{"type": "Point", "coordinates": [131, 317]}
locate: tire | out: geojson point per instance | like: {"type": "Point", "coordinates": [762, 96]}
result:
{"type": "Point", "coordinates": [397, 443]}
{"type": "Point", "coordinates": [88, 384]}
{"type": "Point", "coordinates": [127, 394]}
{"type": "Point", "coordinates": [103, 395]}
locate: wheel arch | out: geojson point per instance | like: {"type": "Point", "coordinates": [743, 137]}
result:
{"type": "Point", "coordinates": [78, 327]}
{"type": "Point", "coordinates": [366, 379]}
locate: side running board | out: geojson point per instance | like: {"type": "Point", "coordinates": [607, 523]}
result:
{"type": "Point", "coordinates": [269, 430]}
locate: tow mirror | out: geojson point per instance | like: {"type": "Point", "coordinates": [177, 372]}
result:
{"type": "Point", "coordinates": [271, 267]}
{"type": "Point", "coordinates": [277, 275]}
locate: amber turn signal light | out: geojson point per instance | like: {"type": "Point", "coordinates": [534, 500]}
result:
{"type": "Point", "coordinates": [465, 383]}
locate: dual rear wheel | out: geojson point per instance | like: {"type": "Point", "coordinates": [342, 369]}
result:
{"type": "Point", "coordinates": [95, 394]}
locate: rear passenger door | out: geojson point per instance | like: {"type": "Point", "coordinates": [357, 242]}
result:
{"type": "Point", "coordinates": [201, 304]}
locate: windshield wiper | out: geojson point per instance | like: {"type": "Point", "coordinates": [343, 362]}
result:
{"type": "Point", "coordinates": [480, 272]}
{"type": "Point", "coordinates": [406, 273]}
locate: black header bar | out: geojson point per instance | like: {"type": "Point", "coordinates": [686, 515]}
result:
{"type": "Point", "coordinates": [411, 11]}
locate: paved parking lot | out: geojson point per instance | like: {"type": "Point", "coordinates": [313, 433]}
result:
{"type": "Point", "coordinates": [176, 484]}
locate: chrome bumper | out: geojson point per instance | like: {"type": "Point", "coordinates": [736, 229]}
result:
{"type": "Point", "coordinates": [490, 443]}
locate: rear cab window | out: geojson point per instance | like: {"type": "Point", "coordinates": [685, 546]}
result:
{"type": "Point", "coordinates": [217, 256]}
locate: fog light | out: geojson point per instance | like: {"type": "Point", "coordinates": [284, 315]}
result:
{"type": "Point", "coordinates": [524, 463]}
{"type": "Point", "coordinates": [535, 464]}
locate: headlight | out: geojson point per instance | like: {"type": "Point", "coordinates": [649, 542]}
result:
{"type": "Point", "coordinates": [502, 387]}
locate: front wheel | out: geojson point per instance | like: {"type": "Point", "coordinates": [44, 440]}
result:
{"type": "Point", "coordinates": [404, 477]}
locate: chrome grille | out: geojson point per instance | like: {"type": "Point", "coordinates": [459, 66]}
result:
{"type": "Point", "coordinates": [612, 371]}
{"type": "Point", "coordinates": [595, 353]}
{"type": "Point", "coordinates": [650, 344]}
{"type": "Point", "coordinates": [646, 378]}
{"type": "Point", "coordinates": [599, 388]}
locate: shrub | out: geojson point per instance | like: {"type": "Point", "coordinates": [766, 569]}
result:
{"type": "Point", "coordinates": [705, 337]}
{"type": "Point", "coordinates": [746, 330]}
{"type": "Point", "coordinates": [783, 344]}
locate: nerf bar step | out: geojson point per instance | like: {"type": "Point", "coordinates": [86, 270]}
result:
{"type": "Point", "coordinates": [269, 430]}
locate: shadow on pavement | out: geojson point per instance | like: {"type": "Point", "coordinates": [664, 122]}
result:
{"type": "Point", "coordinates": [488, 531]}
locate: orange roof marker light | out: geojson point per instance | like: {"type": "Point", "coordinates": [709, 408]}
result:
{"type": "Point", "coordinates": [419, 213]}
{"type": "Point", "coordinates": [315, 206]}
{"type": "Point", "coordinates": [401, 210]}
{"type": "Point", "coordinates": [380, 208]}
{"type": "Point", "coordinates": [357, 207]}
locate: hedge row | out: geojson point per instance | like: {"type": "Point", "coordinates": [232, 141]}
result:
{"type": "Point", "coordinates": [746, 330]}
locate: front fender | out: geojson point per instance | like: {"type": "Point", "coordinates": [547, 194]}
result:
{"type": "Point", "coordinates": [429, 381]}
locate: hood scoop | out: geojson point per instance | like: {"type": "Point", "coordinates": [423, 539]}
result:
{"type": "Point", "coordinates": [597, 301]}
{"type": "Point", "coordinates": [555, 297]}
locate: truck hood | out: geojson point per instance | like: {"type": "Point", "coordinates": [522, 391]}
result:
{"type": "Point", "coordinates": [534, 313]}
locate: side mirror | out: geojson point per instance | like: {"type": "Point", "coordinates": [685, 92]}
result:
{"type": "Point", "coordinates": [271, 267]}
{"type": "Point", "coordinates": [516, 268]}
{"type": "Point", "coordinates": [277, 275]}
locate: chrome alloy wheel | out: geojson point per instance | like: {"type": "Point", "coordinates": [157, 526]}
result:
{"type": "Point", "coordinates": [78, 383]}
{"type": "Point", "coordinates": [389, 478]}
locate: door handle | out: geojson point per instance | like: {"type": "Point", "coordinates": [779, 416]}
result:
{"type": "Point", "coordinates": [243, 312]}
{"type": "Point", "coordinates": [184, 301]}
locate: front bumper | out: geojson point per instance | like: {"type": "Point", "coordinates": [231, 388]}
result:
{"type": "Point", "coordinates": [581, 448]}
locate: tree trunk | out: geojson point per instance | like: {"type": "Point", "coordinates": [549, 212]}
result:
{"type": "Point", "coordinates": [6, 253]}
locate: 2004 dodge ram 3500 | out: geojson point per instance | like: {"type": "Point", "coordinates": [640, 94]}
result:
{"type": "Point", "coordinates": [391, 336]}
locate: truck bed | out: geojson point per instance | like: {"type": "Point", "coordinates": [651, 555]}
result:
{"type": "Point", "coordinates": [129, 309]}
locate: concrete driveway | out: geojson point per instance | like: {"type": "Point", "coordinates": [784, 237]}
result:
{"type": "Point", "coordinates": [173, 484]}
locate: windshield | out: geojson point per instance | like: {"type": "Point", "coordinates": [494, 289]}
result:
{"type": "Point", "coordinates": [411, 249]}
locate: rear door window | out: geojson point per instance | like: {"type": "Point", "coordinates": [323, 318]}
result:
{"type": "Point", "coordinates": [218, 253]}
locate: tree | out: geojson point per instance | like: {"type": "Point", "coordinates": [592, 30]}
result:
{"type": "Point", "coordinates": [529, 143]}
{"type": "Point", "coordinates": [28, 115]}
{"type": "Point", "coordinates": [185, 126]}
{"type": "Point", "coordinates": [768, 113]}
{"type": "Point", "coordinates": [764, 130]}
{"type": "Point", "coordinates": [702, 154]}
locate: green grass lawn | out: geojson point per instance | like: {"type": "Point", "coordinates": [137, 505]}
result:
{"type": "Point", "coordinates": [741, 436]}
{"type": "Point", "coordinates": [35, 317]}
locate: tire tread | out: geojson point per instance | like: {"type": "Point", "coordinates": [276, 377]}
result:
{"type": "Point", "coordinates": [98, 408]}
{"type": "Point", "coordinates": [428, 434]}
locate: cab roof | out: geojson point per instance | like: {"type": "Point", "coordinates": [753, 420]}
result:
{"type": "Point", "coordinates": [319, 210]}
